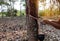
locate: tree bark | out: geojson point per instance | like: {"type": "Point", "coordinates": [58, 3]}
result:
{"type": "Point", "coordinates": [32, 24]}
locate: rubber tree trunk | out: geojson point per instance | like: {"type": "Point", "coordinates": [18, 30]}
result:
{"type": "Point", "coordinates": [32, 24]}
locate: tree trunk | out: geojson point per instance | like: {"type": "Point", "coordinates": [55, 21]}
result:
{"type": "Point", "coordinates": [32, 24]}
{"type": "Point", "coordinates": [1, 10]}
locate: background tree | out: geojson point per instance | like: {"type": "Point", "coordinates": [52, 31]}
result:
{"type": "Point", "coordinates": [22, 2]}
{"type": "Point", "coordinates": [12, 7]}
{"type": "Point", "coordinates": [2, 2]}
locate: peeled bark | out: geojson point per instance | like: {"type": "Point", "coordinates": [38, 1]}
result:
{"type": "Point", "coordinates": [32, 24]}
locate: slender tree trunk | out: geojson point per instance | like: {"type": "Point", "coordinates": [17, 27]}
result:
{"type": "Point", "coordinates": [32, 24]}
{"type": "Point", "coordinates": [1, 11]}
{"type": "Point", "coordinates": [11, 10]}
{"type": "Point", "coordinates": [20, 8]}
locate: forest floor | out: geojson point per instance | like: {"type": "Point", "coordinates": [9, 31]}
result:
{"type": "Point", "coordinates": [15, 29]}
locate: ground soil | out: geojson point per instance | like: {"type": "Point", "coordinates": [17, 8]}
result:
{"type": "Point", "coordinates": [15, 29]}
